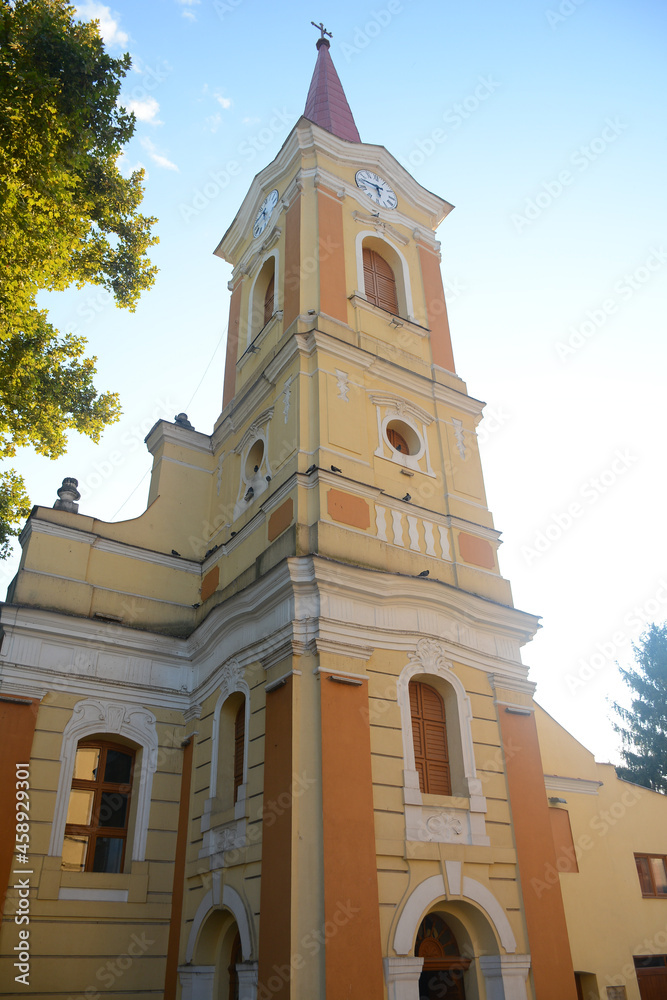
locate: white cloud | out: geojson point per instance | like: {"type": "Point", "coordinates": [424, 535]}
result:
{"type": "Point", "coordinates": [224, 102]}
{"type": "Point", "coordinates": [127, 169]}
{"type": "Point", "coordinates": [213, 122]}
{"type": "Point", "coordinates": [109, 30]}
{"type": "Point", "coordinates": [187, 4]}
{"type": "Point", "coordinates": [156, 157]}
{"type": "Point", "coordinates": [145, 110]}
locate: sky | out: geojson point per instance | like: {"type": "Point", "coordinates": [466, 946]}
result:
{"type": "Point", "coordinates": [543, 122]}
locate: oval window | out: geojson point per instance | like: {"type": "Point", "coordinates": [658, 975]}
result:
{"type": "Point", "coordinates": [403, 438]}
{"type": "Point", "coordinates": [254, 460]}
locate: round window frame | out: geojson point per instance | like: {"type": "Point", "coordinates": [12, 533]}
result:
{"type": "Point", "coordinates": [407, 422]}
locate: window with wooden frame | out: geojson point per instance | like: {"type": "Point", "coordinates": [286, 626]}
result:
{"type": "Point", "coordinates": [99, 808]}
{"type": "Point", "coordinates": [239, 746]}
{"type": "Point", "coordinates": [379, 281]}
{"type": "Point", "coordinates": [429, 738]}
{"type": "Point", "coordinates": [269, 299]}
{"type": "Point", "coordinates": [652, 871]}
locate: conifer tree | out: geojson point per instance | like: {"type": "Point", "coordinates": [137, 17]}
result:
{"type": "Point", "coordinates": [643, 726]}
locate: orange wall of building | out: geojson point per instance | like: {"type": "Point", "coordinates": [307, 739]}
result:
{"type": "Point", "coordinates": [275, 937]}
{"type": "Point", "coordinates": [292, 292]}
{"type": "Point", "coordinates": [351, 905]}
{"type": "Point", "coordinates": [17, 725]}
{"type": "Point", "coordinates": [436, 310]}
{"type": "Point", "coordinates": [333, 291]}
{"type": "Point", "coordinates": [552, 968]}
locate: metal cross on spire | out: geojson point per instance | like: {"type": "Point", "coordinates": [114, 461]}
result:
{"type": "Point", "coordinates": [322, 29]}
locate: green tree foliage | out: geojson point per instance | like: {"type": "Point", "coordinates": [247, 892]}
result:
{"type": "Point", "coordinates": [643, 726]}
{"type": "Point", "coordinates": [67, 217]}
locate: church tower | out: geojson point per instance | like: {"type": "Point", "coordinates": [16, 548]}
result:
{"type": "Point", "coordinates": [304, 650]}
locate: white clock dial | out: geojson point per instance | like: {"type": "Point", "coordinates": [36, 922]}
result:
{"type": "Point", "coordinates": [264, 214]}
{"type": "Point", "coordinates": [376, 188]}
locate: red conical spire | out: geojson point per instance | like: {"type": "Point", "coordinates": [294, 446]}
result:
{"type": "Point", "coordinates": [326, 104]}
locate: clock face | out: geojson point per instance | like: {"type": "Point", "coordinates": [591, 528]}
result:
{"type": "Point", "coordinates": [264, 214]}
{"type": "Point", "coordinates": [376, 188]}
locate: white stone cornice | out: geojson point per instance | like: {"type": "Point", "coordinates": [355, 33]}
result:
{"type": "Point", "coordinates": [306, 137]}
{"type": "Point", "coordinates": [381, 226]}
{"type": "Point", "coordinates": [401, 405]}
{"type": "Point", "coordinates": [181, 437]}
{"type": "Point", "coordinates": [579, 786]}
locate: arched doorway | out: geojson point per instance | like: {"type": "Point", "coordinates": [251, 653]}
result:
{"type": "Point", "coordinates": [236, 958]}
{"type": "Point", "coordinates": [444, 966]}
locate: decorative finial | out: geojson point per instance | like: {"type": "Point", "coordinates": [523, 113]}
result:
{"type": "Point", "coordinates": [323, 31]}
{"type": "Point", "coordinates": [182, 420]}
{"type": "Point", "coordinates": [68, 494]}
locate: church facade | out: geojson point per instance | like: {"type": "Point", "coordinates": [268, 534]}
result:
{"type": "Point", "coordinates": [274, 737]}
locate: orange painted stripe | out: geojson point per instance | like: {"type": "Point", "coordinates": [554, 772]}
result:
{"type": "Point", "coordinates": [333, 289]}
{"type": "Point", "coordinates": [292, 290]}
{"type": "Point", "coordinates": [436, 310]}
{"type": "Point", "coordinates": [551, 960]}
{"type": "Point", "coordinates": [232, 345]}
{"type": "Point", "coordinates": [178, 889]}
{"type": "Point", "coordinates": [275, 905]}
{"type": "Point", "coordinates": [353, 950]}
{"type": "Point", "coordinates": [17, 725]}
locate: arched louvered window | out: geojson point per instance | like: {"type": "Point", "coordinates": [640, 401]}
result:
{"type": "Point", "coordinates": [239, 741]}
{"type": "Point", "coordinates": [269, 300]}
{"type": "Point", "coordinates": [429, 736]}
{"type": "Point", "coordinates": [379, 280]}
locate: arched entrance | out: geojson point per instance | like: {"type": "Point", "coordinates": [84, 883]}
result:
{"type": "Point", "coordinates": [444, 966]}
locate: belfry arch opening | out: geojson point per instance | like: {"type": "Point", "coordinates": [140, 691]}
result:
{"type": "Point", "coordinates": [264, 298]}
{"type": "Point", "coordinates": [383, 274]}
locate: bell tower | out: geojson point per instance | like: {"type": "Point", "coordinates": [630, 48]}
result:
{"type": "Point", "coordinates": [400, 775]}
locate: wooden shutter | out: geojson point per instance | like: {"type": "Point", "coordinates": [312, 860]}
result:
{"type": "Point", "coordinates": [268, 300]}
{"type": "Point", "coordinates": [429, 736]}
{"type": "Point", "coordinates": [379, 281]}
{"type": "Point", "coordinates": [239, 744]}
{"type": "Point", "coordinates": [397, 441]}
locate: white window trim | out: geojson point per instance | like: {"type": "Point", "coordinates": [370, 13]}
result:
{"type": "Point", "coordinates": [99, 717]}
{"type": "Point", "coordinates": [404, 277]}
{"type": "Point", "coordinates": [232, 681]}
{"type": "Point", "coordinates": [434, 823]}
